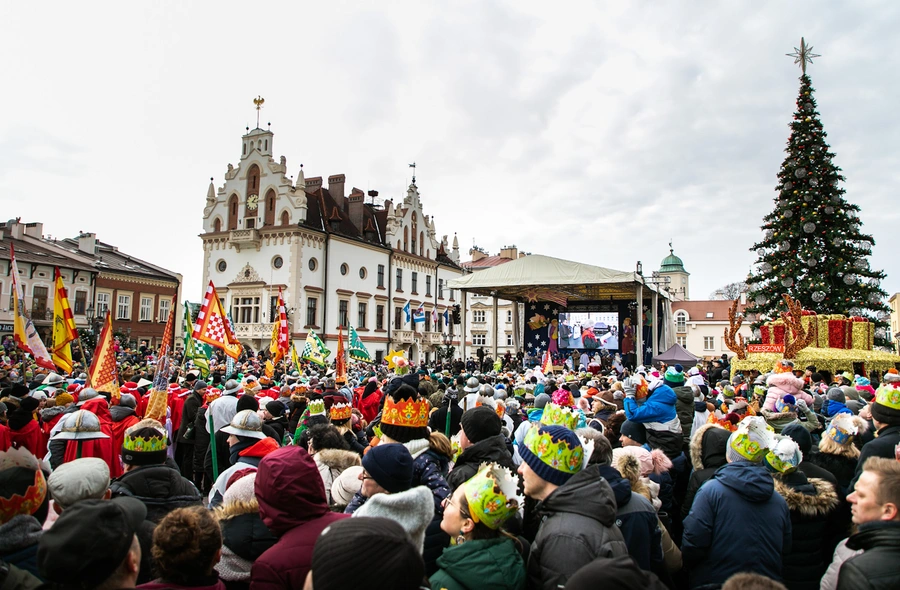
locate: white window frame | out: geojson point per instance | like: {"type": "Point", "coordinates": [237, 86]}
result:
{"type": "Point", "coordinates": [509, 339]}
{"type": "Point", "coordinates": [145, 312]}
{"type": "Point", "coordinates": [681, 340]}
{"type": "Point", "coordinates": [123, 307]}
{"type": "Point", "coordinates": [681, 321]}
{"type": "Point", "coordinates": [164, 310]}
{"type": "Point", "coordinates": [709, 343]}
{"type": "Point", "coordinates": [479, 339]}
{"type": "Point", "coordinates": [478, 316]}
{"type": "Point", "coordinates": [104, 300]}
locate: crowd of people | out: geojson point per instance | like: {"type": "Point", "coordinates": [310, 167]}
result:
{"type": "Point", "coordinates": [408, 478]}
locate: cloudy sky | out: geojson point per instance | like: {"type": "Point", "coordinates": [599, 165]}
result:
{"type": "Point", "coordinates": [593, 131]}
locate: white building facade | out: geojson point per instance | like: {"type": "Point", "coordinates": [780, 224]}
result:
{"type": "Point", "coordinates": [339, 261]}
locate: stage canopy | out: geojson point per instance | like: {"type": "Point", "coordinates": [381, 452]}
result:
{"type": "Point", "coordinates": [537, 277]}
{"type": "Point", "coordinates": [676, 354]}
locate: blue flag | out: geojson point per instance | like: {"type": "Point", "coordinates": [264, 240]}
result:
{"type": "Point", "coordinates": [446, 317]}
{"type": "Point", "coordinates": [407, 312]}
{"type": "Point", "coordinates": [419, 316]}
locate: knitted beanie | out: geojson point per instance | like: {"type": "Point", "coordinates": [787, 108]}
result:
{"type": "Point", "coordinates": [836, 394]}
{"type": "Point", "coordinates": [480, 423]}
{"type": "Point", "coordinates": [635, 431]}
{"type": "Point", "coordinates": [412, 509]}
{"type": "Point", "coordinates": [64, 398]}
{"type": "Point", "coordinates": [346, 485]}
{"type": "Point", "coordinates": [377, 546]}
{"type": "Point", "coordinates": [554, 453]}
{"type": "Point", "coordinates": [144, 445]}
{"type": "Point", "coordinates": [674, 376]}
{"type": "Point", "coordinates": [391, 466]}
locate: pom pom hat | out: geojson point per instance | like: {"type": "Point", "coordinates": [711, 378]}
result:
{"type": "Point", "coordinates": [674, 376]}
{"type": "Point", "coordinates": [554, 453]}
{"type": "Point", "coordinates": [784, 457]}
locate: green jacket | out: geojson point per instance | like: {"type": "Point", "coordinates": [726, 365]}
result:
{"type": "Point", "coordinates": [493, 564]}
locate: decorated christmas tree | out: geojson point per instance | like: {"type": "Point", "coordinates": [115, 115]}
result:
{"type": "Point", "coordinates": [813, 247]}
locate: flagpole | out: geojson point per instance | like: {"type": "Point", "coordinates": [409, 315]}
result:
{"type": "Point", "coordinates": [81, 350]}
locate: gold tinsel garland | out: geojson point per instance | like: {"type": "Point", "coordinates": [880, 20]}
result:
{"type": "Point", "coordinates": [834, 360]}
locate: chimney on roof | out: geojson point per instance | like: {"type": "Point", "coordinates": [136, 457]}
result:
{"type": "Point", "coordinates": [509, 252]}
{"type": "Point", "coordinates": [357, 205]}
{"type": "Point", "coordinates": [336, 187]}
{"type": "Point", "coordinates": [87, 243]}
{"type": "Point", "coordinates": [35, 230]}
{"type": "Point", "coordinates": [16, 228]}
{"type": "Point", "coordinates": [313, 184]}
{"type": "Point", "coordinates": [477, 254]}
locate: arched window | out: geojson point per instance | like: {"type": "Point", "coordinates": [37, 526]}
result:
{"type": "Point", "coordinates": [285, 218]}
{"type": "Point", "coordinates": [681, 321]}
{"type": "Point", "coordinates": [406, 239]}
{"type": "Point", "coordinates": [270, 208]}
{"type": "Point", "coordinates": [421, 243]}
{"type": "Point", "coordinates": [217, 225]}
{"type": "Point", "coordinates": [232, 212]}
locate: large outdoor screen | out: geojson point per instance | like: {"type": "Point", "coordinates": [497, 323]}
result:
{"type": "Point", "coordinates": [589, 330]}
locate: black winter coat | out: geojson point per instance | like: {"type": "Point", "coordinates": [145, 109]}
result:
{"type": "Point", "coordinates": [877, 567]}
{"type": "Point", "coordinates": [812, 503]}
{"type": "Point", "coordinates": [842, 468]}
{"type": "Point", "coordinates": [161, 488]}
{"type": "Point", "coordinates": [189, 417]}
{"type": "Point", "coordinates": [882, 446]}
{"type": "Point", "coordinates": [707, 455]}
{"type": "Point", "coordinates": [684, 406]}
{"type": "Point", "coordinates": [201, 440]}
{"type": "Point", "coordinates": [490, 450]}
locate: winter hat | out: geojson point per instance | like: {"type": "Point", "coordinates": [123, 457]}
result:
{"type": "Point", "coordinates": [800, 435]}
{"type": "Point", "coordinates": [541, 400]}
{"type": "Point", "coordinates": [674, 376]}
{"type": "Point", "coordinates": [554, 453]}
{"type": "Point", "coordinates": [784, 457]}
{"type": "Point", "coordinates": [613, 573]}
{"type": "Point", "coordinates": [844, 427]}
{"type": "Point", "coordinates": [555, 415]}
{"type": "Point", "coordinates": [346, 485]}
{"type": "Point", "coordinates": [891, 376]}
{"type": "Point", "coordinates": [405, 415]}
{"type": "Point", "coordinates": [787, 403]}
{"type": "Point", "coordinates": [635, 431]}
{"type": "Point", "coordinates": [378, 546]}
{"type": "Point", "coordinates": [127, 400]}
{"type": "Point", "coordinates": [241, 489]}
{"type": "Point", "coordinates": [245, 423]}
{"type": "Point", "coordinates": [391, 466]}
{"type": "Point", "coordinates": [275, 408]}
{"type": "Point", "coordinates": [750, 441]}
{"type": "Point", "coordinates": [86, 478]}
{"type": "Point", "coordinates": [144, 445]}
{"type": "Point", "coordinates": [247, 402]}
{"type": "Point", "coordinates": [412, 509]}
{"type": "Point", "coordinates": [652, 462]}
{"type": "Point", "coordinates": [63, 399]}
{"type": "Point", "coordinates": [886, 408]}
{"type": "Point", "coordinates": [481, 423]}
{"type": "Point", "coordinates": [836, 394]}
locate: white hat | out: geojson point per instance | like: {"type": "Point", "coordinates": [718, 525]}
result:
{"type": "Point", "coordinates": [246, 423]}
{"type": "Point", "coordinates": [82, 479]}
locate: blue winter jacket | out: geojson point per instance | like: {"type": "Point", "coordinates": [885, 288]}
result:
{"type": "Point", "coordinates": [636, 519]}
{"type": "Point", "coordinates": [737, 523]}
{"type": "Point", "coordinates": [833, 408]}
{"type": "Point", "coordinates": [659, 407]}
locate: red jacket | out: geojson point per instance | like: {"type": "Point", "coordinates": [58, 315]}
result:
{"type": "Point", "coordinates": [368, 406]}
{"type": "Point", "coordinates": [101, 447]}
{"type": "Point", "coordinates": [5, 439]}
{"type": "Point", "coordinates": [29, 437]}
{"type": "Point", "coordinates": [292, 505]}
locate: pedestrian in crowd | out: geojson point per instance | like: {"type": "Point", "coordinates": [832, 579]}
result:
{"type": "Point", "coordinates": [481, 442]}
{"type": "Point", "coordinates": [247, 445]}
{"type": "Point", "coordinates": [186, 437]}
{"type": "Point", "coordinates": [24, 503]}
{"type": "Point", "coordinates": [187, 545]}
{"type": "Point", "coordinates": [82, 479]}
{"type": "Point", "coordinates": [330, 452]}
{"type": "Point", "coordinates": [708, 449]}
{"type": "Point", "coordinates": [886, 418]}
{"type": "Point", "coordinates": [837, 452]}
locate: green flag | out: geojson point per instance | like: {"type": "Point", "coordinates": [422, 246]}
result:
{"type": "Point", "coordinates": [194, 350]}
{"type": "Point", "coordinates": [358, 350]}
{"type": "Point", "coordinates": [314, 350]}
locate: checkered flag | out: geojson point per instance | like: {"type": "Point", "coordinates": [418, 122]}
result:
{"type": "Point", "coordinates": [212, 326]}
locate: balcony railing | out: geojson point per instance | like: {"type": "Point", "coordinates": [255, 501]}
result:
{"type": "Point", "coordinates": [241, 238]}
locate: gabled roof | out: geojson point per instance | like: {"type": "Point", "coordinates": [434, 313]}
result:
{"type": "Point", "coordinates": [697, 310]}
{"type": "Point", "coordinates": [29, 252]}
{"type": "Point", "coordinates": [486, 262]}
{"type": "Point", "coordinates": [322, 208]}
{"type": "Point", "coordinates": [107, 258]}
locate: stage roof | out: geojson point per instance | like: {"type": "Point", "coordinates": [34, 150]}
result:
{"type": "Point", "coordinates": [537, 277]}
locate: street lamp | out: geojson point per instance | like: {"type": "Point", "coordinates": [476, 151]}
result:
{"type": "Point", "coordinates": [89, 313]}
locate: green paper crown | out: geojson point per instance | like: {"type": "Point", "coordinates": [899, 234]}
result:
{"type": "Point", "coordinates": [752, 448]}
{"type": "Point", "coordinates": [317, 408]}
{"type": "Point", "coordinates": [555, 415]}
{"type": "Point", "coordinates": [888, 395]}
{"type": "Point", "coordinates": [557, 454]}
{"type": "Point", "coordinates": [491, 495]}
{"type": "Point", "coordinates": [139, 444]}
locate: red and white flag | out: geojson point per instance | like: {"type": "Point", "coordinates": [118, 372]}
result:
{"type": "Point", "coordinates": [212, 325]}
{"type": "Point", "coordinates": [24, 332]}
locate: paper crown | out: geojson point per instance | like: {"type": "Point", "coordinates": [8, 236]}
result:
{"type": "Point", "coordinates": [784, 366]}
{"type": "Point", "coordinates": [783, 405]}
{"type": "Point", "coordinates": [784, 457]}
{"type": "Point", "coordinates": [842, 429]}
{"type": "Point", "coordinates": [341, 412]}
{"type": "Point", "coordinates": [889, 396]}
{"type": "Point", "coordinates": [752, 438]}
{"type": "Point", "coordinates": [492, 495]}
{"type": "Point", "coordinates": [27, 503]}
{"type": "Point", "coordinates": [555, 415]}
{"type": "Point", "coordinates": [316, 407]}
{"type": "Point", "coordinates": [562, 397]}
{"type": "Point", "coordinates": [144, 444]}
{"type": "Point", "coordinates": [642, 388]}
{"type": "Point", "coordinates": [406, 412]}
{"type": "Point", "coordinates": [556, 453]}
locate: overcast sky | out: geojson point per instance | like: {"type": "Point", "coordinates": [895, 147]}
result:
{"type": "Point", "coordinates": [592, 131]}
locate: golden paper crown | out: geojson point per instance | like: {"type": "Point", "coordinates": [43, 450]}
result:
{"type": "Point", "coordinates": [406, 412]}
{"type": "Point", "coordinates": [341, 412]}
{"type": "Point", "coordinates": [555, 415]}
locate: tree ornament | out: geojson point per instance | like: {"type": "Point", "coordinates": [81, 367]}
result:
{"type": "Point", "coordinates": [812, 262]}
{"type": "Point", "coordinates": [837, 242]}
{"type": "Point", "coordinates": [765, 267]}
{"type": "Point", "coordinates": [800, 172]}
{"type": "Point", "coordinates": [787, 214]}
{"type": "Point", "coordinates": [850, 279]}
{"type": "Point", "coordinates": [787, 281]}
{"type": "Point", "coordinates": [829, 210]}
{"type": "Point", "coordinates": [760, 299]}
{"type": "Point", "coordinates": [784, 246]}
{"type": "Point", "coordinates": [809, 227]}
{"type": "Point", "coordinates": [813, 181]}
{"type": "Point", "coordinates": [818, 296]}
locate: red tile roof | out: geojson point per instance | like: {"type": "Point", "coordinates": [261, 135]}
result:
{"type": "Point", "coordinates": [486, 262]}
{"type": "Point", "coordinates": [697, 310]}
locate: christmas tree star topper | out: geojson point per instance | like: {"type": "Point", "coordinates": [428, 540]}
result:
{"type": "Point", "coordinates": [803, 55]}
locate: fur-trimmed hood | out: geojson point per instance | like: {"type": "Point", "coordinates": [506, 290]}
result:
{"type": "Point", "coordinates": [231, 509]}
{"type": "Point", "coordinates": [822, 503]}
{"type": "Point", "coordinates": [337, 458]}
{"type": "Point", "coordinates": [48, 414]}
{"type": "Point", "coordinates": [786, 382]}
{"type": "Point", "coordinates": [711, 455]}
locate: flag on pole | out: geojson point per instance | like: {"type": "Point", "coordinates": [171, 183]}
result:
{"type": "Point", "coordinates": [358, 351]}
{"type": "Point", "coordinates": [407, 312]}
{"type": "Point", "coordinates": [270, 368]}
{"type": "Point", "coordinates": [213, 327]}
{"type": "Point", "coordinates": [164, 354]}
{"type": "Point", "coordinates": [340, 359]}
{"type": "Point", "coordinates": [24, 332]}
{"type": "Point", "coordinates": [314, 350]}
{"type": "Point", "coordinates": [447, 317]}
{"type": "Point", "coordinates": [280, 338]}
{"type": "Point", "coordinates": [434, 317]}
{"type": "Point", "coordinates": [103, 374]}
{"type": "Point", "coordinates": [419, 315]}
{"type": "Point", "coordinates": [295, 359]}
{"type": "Point", "coordinates": [193, 350]}
{"type": "Point", "coordinates": [64, 330]}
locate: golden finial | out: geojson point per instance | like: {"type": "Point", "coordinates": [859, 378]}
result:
{"type": "Point", "coordinates": [258, 101]}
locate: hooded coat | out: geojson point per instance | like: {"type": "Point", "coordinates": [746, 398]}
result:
{"type": "Point", "coordinates": [578, 525]}
{"type": "Point", "coordinates": [684, 406]}
{"type": "Point", "coordinates": [26, 433]}
{"type": "Point", "coordinates": [331, 463]}
{"type": "Point", "coordinates": [244, 538]}
{"type": "Point", "coordinates": [123, 418]}
{"type": "Point", "coordinates": [707, 455]}
{"type": "Point", "coordinates": [781, 384]}
{"type": "Point", "coordinates": [49, 417]}
{"type": "Point", "coordinates": [160, 487]}
{"type": "Point", "coordinates": [637, 521]}
{"type": "Point", "coordinates": [737, 523]}
{"type": "Point", "coordinates": [486, 564]}
{"type": "Point", "coordinates": [490, 450]}
{"type": "Point", "coordinates": [811, 502]}
{"type": "Point", "coordinates": [292, 505]}
{"type": "Point", "coordinates": [876, 568]}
